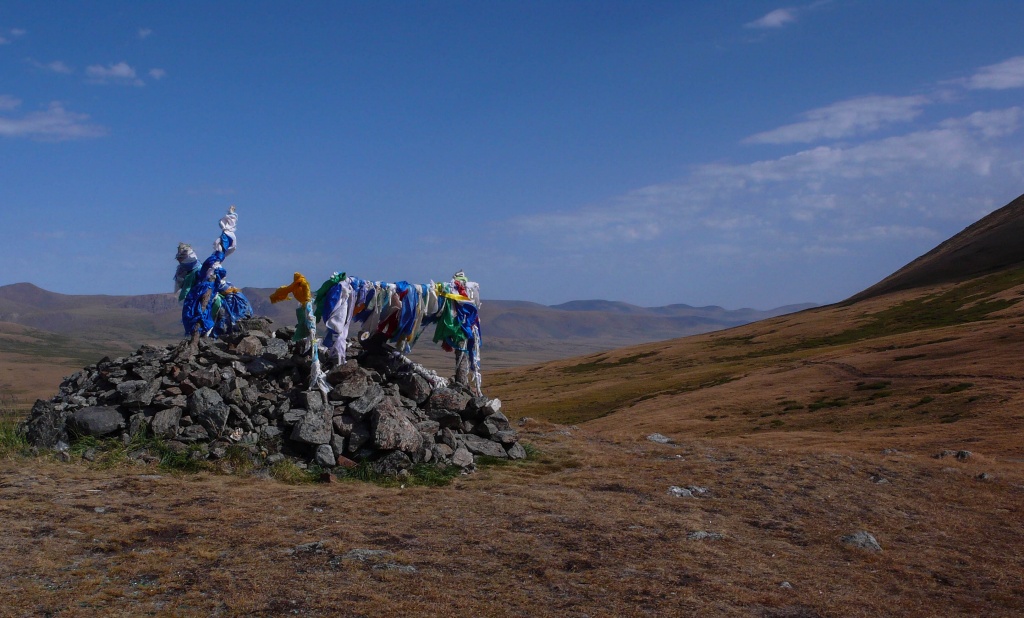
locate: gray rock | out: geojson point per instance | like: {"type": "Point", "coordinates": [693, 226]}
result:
{"type": "Point", "coordinates": [516, 451]}
{"type": "Point", "coordinates": [861, 540]}
{"type": "Point", "coordinates": [462, 457]}
{"type": "Point", "coordinates": [483, 446]}
{"type": "Point", "coordinates": [293, 416]}
{"type": "Point", "coordinates": [260, 366]}
{"type": "Point", "coordinates": [337, 445]}
{"type": "Point", "coordinates": [325, 456]}
{"type": "Point", "coordinates": [46, 425]}
{"type": "Point", "coordinates": [506, 438]}
{"type": "Point", "coordinates": [314, 428]}
{"type": "Point", "coordinates": [448, 399]}
{"type": "Point", "coordinates": [146, 372]}
{"type": "Point", "coordinates": [97, 421]}
{"type": "Point", "coordinates": [207, 408]}
{"type": "Point", "coordinates": [138, 393]}
{"type": "Point", "coordinates": [209, 377]}
{"type": "Point", "coordinates": [250, 346]}
{"type": "Point", "coordinates": [444, 418]}
{"type": "Point", "coordinates": [660, 439]}
{"type": "Point", "coordinates": [269, 432]}
{"type": "Point", "coordinates": [392, 463]}
{"type": "Point", "coordinates": [362, 406]}
{"type": "Point", "coordinates": [365, 555]}
{"type": "Point", "coordinates": [138, 424]}
{"type": "Point", "coordinates": [353, 388]}
{"type": "Point", "coordinates": [428, 428]}
{"type": "Point", "coordinates": [314, 400]}
{"type": "Point", "coordinates": [392, 430]}
{"type": "Point", "coordinates": [343, 424]}
{"type": "Point", "coordinates": [193, 433]}
{"type": "Point", "coordinates": [413, 386]}
{"type": "Point", "coordinates": [680, 492]}
{"type": "Point", "coordinates": [275, 350]}
{"type": "Point", "coordinates": [359, 437]}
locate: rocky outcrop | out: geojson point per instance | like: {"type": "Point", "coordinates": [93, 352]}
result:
{"type": "Point", "coordinates": [251, 389]}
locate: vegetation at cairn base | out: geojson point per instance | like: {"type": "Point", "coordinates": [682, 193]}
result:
{"type": "Point", "coordinates": [110, 452]}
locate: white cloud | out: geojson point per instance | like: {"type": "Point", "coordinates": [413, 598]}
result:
{"type": "Point", "coordinates": [775, 19]}
{"type": "Point", "coordinates": [17, 32]}
{"type": "Point", "coordinates": [845, 118]}
{"type": "Point", "coordinates": [1002, 76]}
{"type": "Point", "coordinates": [144, 33]}
{"type": "Point", "coordinates": [54, 123]}
{"type": "Point", "coordinates": [120, 73]}
{"type": "Point", "coordinates": [8, 103]}
{"type": "Point", "coordinates": [157, 74]}
{"type": "Point", "coordinates": [57, 66]}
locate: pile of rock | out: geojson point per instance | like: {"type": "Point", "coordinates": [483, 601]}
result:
{"type": "Point", "coordinates": [251, 389]}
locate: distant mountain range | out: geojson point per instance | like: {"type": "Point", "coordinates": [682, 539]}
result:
{"type": "Point", "coordinates": [526, 330]}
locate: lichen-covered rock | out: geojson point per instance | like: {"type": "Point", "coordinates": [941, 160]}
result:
{"type": "Point", "coordinates": [448, 399]}
{"type": "Point", "coordinates": [46, 425]}
{"type": "Point", "coordinates": [413, 386]}
{"type": "Point", "coordinates": [362, 406]}
{"type": "Point", "coordinates": [483, 446]}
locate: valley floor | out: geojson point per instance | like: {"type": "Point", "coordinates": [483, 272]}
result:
{"type": "Point", "coordinates": [587, 528]}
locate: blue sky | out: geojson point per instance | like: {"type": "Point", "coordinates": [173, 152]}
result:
{"type": "Point", "coordinates": [733, 153]}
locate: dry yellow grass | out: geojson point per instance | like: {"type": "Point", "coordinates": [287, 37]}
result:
{"type": "Point", "coordinates": [589, 528]}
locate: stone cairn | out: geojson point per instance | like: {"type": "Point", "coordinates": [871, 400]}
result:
{"type": "Point", "coordinates": [250, 389]}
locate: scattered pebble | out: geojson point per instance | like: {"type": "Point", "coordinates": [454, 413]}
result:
{"type": "Point", "coordinates": [316, 547]}
{"type": "Point", "coordinates": [660, 439]}
{"type": "Point", "coordinates": [680, 492]}
{"type": "Point", "coordinates": [786, 585]}
{"type": "Point", "coordinates": [704, 535]}
{"type": "Point", "coordinates": [959, 455]}
{"type": "Point", "coordinates": [984, 476]}
{"type": "Point", "coordinates": [100, 509]}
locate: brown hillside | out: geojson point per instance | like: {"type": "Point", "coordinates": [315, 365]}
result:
{"type": "Point", "coordinates": [991, 244]}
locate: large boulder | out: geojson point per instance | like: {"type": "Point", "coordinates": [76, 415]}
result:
{"type": "Point", "coordinates": [97, 421]}
{"type": "Point", "coordinates": [392, 429]}
{"type": "Point", "coordinates": [165, 423]}
{"type": "Point", "coordinates": [483, 446]}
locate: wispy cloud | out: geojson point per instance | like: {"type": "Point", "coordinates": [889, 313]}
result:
{"type": "Point", "coordinates": [57, 66]}
{"type": "Point", "coordinates": [144, 33]}
{"type": "Point", "coordinates": [53, 123]}
{"type": "Point", "coordinates": [157, 74]}
{"type": "Point", "coordinates": [13, 33]}
{"type": "Point", "coordinates": [1005, 75]}
{"type": "Point", "coordinates": [775, 19]}
{"type": "Point", "coordinates": [120, 73]}
{"type": "Point", "coordinates": [845, 118]}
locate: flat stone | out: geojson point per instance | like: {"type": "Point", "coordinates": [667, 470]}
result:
{"type": "Point", "coordinates": [483, 446]}
{"type": "Point", "coordinates": [448, 399]}
{"type": "Point", "coordinates": [660, 439]}
{"type": "Point", "coordinates": [704, 535]}
{"type": "Point", "coordinates": [260, 367]}
{"type": "Point", "coordinates": [362, 406]}
{"type": "Point", "coordinates": [97, 421]}
{"type": "Point", "coordinates": [138, 393]}
{"type": "Point", "coordinates": [165, 423]}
